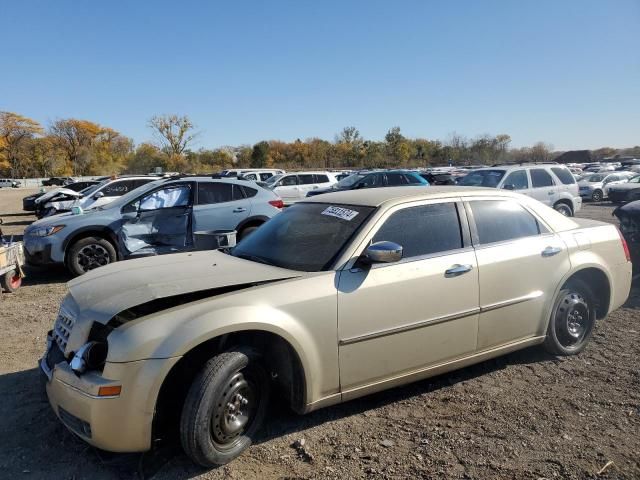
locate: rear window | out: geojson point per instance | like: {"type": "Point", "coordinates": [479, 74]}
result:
{"type": "Point", "coordinates": [321, 178]}
{"type": "Point", "coordinates": [306, 179]}
{"type": "Point", "coordinates": [248, 192]}
{"type": "Point", "coordinates": [500, 221]}
{"type": "Point", "coordinates": [211, 192]}
{"type": "Point", "coordinates": [564, 175]}
{"type": "Point", "coordinates": [483, 178]}
{"type": "Point", "coordinates": [413, 179]}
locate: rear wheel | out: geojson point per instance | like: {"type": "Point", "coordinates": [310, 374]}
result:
{"type": "Point", "coordinates": [572, 321]}
{"type": "Point", "coordinates": [564, 209]}
{"type": "Point", "coordinates": [11, 281]}
{"type": "Point", "coordinates": [90, 253]}
{"type": "Point", "coordinates": [225, 408]}
{"type": "Point", "coordinates": [596, 196]}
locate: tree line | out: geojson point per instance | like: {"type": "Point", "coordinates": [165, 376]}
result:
{"type": "Point", "coordinates": [74, 147]}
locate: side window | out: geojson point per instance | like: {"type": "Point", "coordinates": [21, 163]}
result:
{"type": "Point", "coordinates": [168, 197]}
{"type": "Point", "coordinates": [306, 179]}
{"type": "Point", "coordinates": [500, 220]}
{"type": "Point", "coordinates": [238, 194]}
{"type": "Point", "coordinates": [412, 180]}
{"type": "Point", "coordinates": [118, 188]}
{"type": "Point", "coordinates": [611, 178]}
{"type": "Point", "coordinates": [264, 176]}
{"type": "Point", "coordinates": [423, 230]}
{"type": "Point", "coordinates": [540, 178]}
{"type": "Point", "coordinates": [370, 181]}
{"type": "Point", "coordinates": [249, 192]}
{"type": "Point", "coordinates": [395, 179]}
{"type": "Point", "coordinates": [250, 176]}
{"type": "Point", "coordinates": [563, 175]}
{"type": "Point", "coordinates": [517, 179]}
{"type": "Point", "coordinates": [321, 179]}
{"type": "Point", "coordinates": [289, 180]}
{"type": "Point", "coordinates": [212, 192]}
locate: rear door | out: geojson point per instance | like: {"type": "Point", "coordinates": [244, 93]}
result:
{"type": "Point", "coordinates": [306, 184]}
{"type": "Point", "coordinates": [520, 263]}
{"type": "Point", "coordinates": [543, 187]}
{"type": "Point", "coordinates": [163, 221]}
{"type": "Point", "coordinates": [219, 206]}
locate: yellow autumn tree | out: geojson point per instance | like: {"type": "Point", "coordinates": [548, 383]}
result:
{"type": "Point", "coordinates": [15, 132]}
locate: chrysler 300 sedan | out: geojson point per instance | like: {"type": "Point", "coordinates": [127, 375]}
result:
{"type": "Point", "coordinates": [339, 296]}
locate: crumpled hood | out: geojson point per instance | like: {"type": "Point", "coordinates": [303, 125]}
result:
{"type": "Point", "coordinates": [58, 191]}
{"type": "Point", "coordinates": [107, 291]}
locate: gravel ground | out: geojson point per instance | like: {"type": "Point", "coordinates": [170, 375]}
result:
{"type": "Point", "coordinates": [525, 415]}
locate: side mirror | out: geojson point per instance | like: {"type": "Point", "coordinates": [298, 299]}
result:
{"type": "Point", "coordinates": [509, 187]}
{"type": "Point", "coordinates": [383, 252]}
{"type": "Point", "coordinates": [98, 195]}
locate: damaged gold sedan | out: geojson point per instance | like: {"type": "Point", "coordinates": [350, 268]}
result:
{"type": "Point", "coordinates": [338, 296]}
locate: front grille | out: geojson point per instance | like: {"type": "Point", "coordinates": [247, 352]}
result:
{"type": "Point", "coordinates": [62, 329]}
{"type": "Point", "coordinates": [76, 424]}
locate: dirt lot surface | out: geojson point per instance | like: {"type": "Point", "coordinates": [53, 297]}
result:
{"type": "Point", "coordinates": [525, 415]}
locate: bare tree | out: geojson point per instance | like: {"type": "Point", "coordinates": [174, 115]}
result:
{"type": "Point", "coordinates": [174, 132]}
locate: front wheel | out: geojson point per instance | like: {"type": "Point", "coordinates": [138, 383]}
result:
{"type": "Point", "coordinates": [89, 253]}
{"type": "Point", "coordinates": [225, 408]}
{"type": "Point", "coordinates": [564, 209]}
{"type": "Point", "coordinates": [597, 196]}
{"type": "Point", "coordinates": [572, 321]}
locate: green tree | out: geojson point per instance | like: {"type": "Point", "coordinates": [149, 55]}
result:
{"type": "Point", "coordinates": [260, 155]}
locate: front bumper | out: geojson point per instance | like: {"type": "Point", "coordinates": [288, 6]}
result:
{"type": "Point", "coordinates": [120, 423]}
{"type": "Point", "coordinates": [42, 250]}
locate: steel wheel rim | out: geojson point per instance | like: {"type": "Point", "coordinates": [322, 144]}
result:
{"type": "Point", "coordinates": [93, 256]}
{"type": "Point", "coordinates": [597, 196]}
{"type": "Point", "coordinates": [235, 410]}
{"type": "Point", "coordinates": [573, 320]}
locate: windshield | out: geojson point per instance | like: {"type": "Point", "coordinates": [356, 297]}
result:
{"type": "Point", "coordinates": [91, 188]}
{"type": "Point", "coordinates": [482, 178]}
{"type": "Point", "coordinates": [305, 237]}
{"type": "Point", "coordinates": [349, 181]}
{"type": "Point", "coordinates": [635, 179]}
{"type": "Point", "coordinates": [271, 180]}
{"type": "Point", "coordinates": [595, 178]}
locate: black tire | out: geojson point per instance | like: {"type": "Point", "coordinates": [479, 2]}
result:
{"type": "Point", "coordinates": [564, 209]}
{"type": "Point", "coordinates": [597, 196]}
{"type": "Point", "coordinates": [246, 231]}
{"type": "Point", "coordinates": [89, 253]}
{"type": "Point", "coordinates": [225, 408]}
{"type": "Point", "coordinates": [10, 281]}
{"type": "Point", "coordinates": [572, 320]}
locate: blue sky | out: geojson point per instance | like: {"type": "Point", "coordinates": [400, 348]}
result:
{"type": "Point", "coordinates": [566, 72]}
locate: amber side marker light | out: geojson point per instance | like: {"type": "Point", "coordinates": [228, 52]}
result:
{"type": "Point", "coordinates": [112, 391]}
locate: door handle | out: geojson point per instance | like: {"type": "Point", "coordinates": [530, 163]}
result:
{"type": "Point", "coordinates": [551, 251]}
{"type": "Point", "coordinates": [457, 269]}
{"type": "Point", "coordinates": [550, 193]}
{"type": "Point", "coordinates": [239, 210]}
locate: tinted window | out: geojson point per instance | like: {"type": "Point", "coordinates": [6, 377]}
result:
{"type": "Point", "coordinates": [412, 179]}
{"type": "Point", "coordinates": [540, 178]}
{"type": "Point", "coordinates": [370, 181]}
{"type": "Point", "coordinates": [119, 188]}
{"type": "Point", "coordinates": [306, 179]}
{"type": "Point", "coordinates": [395, 179]}
{"type": "Point", "coordinates": [321, 179]}
{"type": "Point", "coordinates": [289, 180]}
{"type": "Point", "coordinates": [249, 192]}
{"type": "Point", "coordinates": [211, 192]}
{"type": "Point", "coordinates": [499, 220]}
{"type": "Point", "coordinates": [264, 176]}
{"type": "Point", "coordinates": [423, 230]}
{"type": "Point", "coordinates": [564, 175]}
{"type": "Point", "coordinates": [518, 179]}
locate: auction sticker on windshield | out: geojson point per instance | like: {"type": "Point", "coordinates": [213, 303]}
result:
{"type": "Point", "coordinates": [340, 212]}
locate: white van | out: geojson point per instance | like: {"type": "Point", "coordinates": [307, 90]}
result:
{"type": "Point", "coordinates": [259, 175]}
{"type": "Point", "coordinates": [237, 172]}
{"type": "Point", "coordinates": [292, 187]}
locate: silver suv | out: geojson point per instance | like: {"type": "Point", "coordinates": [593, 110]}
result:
{"type": "Point", "coordinates": [550, 183]}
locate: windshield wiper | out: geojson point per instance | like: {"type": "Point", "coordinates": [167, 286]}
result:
{"type": "Point", "coordinates": [254, 258]}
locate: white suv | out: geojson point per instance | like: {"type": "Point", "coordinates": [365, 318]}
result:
{"type": "Point", "coordinates": [9, 183]}
{"type": "Point", "coordinates": [292, 187]}
{"type": "Point", "coordinates": [550, 183]}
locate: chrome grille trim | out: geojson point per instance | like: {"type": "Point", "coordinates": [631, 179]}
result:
{"type": "Point", "coordinates": [62, 329]}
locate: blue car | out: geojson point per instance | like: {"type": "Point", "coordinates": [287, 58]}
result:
{"type": "Point", "coordinates": [157, 218]}
{"type": "Point", "coordinates": [374, 179]}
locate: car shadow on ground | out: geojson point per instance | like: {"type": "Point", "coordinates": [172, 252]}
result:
{"type": "Point", "coordinates": [29, 424]}
{"type": "Point", "coordinates": [45, 275]}
{"type": "Point", "coordinates": [23, 214]}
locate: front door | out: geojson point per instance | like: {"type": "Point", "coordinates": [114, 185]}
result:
{"type": "Point", "coordinates": [398, 318]}
{"type": "Point", "coordinates": [162, 222]}
{"type": "Point", "coordinates": [520, 263]}
{"type": "Point", "coordinates": [288, 189]}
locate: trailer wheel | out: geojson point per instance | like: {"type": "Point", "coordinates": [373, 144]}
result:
{"type": "Point", "coordinates": [11, 281]}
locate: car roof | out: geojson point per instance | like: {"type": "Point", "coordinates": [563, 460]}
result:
{"type": "Point", "coordinates": [375, 197]}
